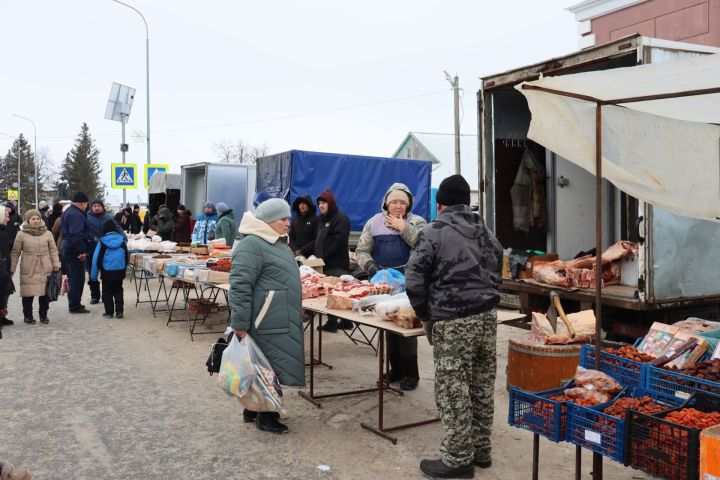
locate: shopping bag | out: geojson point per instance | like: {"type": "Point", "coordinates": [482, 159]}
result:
{"type": "Point", "coordinates": [245, 373]}
{"type": "Point", "coordinates": [390, 277]}
{"type": "Point", "coordinates": [52, 286]}
{"type": "Point", "coordinates": [65, 288]}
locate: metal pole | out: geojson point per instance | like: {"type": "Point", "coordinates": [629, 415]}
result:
{"type": "Point", "coordinates": [147, 73]}
{"type": "Point", "coordinates": [597, 472]}
{"type": "Point", "coordinates": [123, 119]}
{"type": "Point", "coordinates": [456, 94]}
{"type": "Point", "coordinates": [19, 189]}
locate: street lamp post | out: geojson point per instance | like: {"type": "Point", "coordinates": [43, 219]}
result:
{"type": "Point", "coordinates": [35, 162]}
{"type": "Point", "coordinates": [147, 73]}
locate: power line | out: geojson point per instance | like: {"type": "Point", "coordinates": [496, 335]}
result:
{"type": "Point", "coordinates": [272, 119]}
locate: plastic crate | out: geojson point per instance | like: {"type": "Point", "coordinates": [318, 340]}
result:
{"type": "Point", "coordinates": [628, 373]}
{"type": "Point", "coordinates": [665, 449]}
{"type": "Point", "coordinates": [591, 428]}
{"type": "Point", "coordinates": [674, 384]}
{"type": "Point", "coordinates": [537, 413]}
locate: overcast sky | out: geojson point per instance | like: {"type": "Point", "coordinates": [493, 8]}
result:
{"type": "Point", "coordinates": [315, 75]}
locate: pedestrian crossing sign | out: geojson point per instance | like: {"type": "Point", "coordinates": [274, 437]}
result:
{"type": "Point", "coordinates": [13, 195]}
{"type": "Point", "coordinates": [124, 175]}
{"type": "Point", "coordinates": [150, 170]}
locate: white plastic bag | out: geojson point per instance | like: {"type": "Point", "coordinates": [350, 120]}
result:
{"type": "Point", "coordinates": [246, 373]}
{"type": "Point", "coordinates": [396, 305]}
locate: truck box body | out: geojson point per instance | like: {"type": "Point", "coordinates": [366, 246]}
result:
{"type": "Point", "coordinates": [678, 257]}
{"type": "Point", "coordinates": [231, 183]}
{"type": "Point", "coordinates": [358, 182]}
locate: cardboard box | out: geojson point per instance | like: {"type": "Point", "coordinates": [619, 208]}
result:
{"type": "Point", "coordinates": [528, 272]}
{"type": "Point", "coordinates": [211, 276]}
{"type": "Point", "coordinates": [201, 250]}
{"type": "Point", "coordinates": [710, 453]}
{"type": "Point", "coordinates": [506, 267]}
{"type": "Point", "coordinates": [316, 264]}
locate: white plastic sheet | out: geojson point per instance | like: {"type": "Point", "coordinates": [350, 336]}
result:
{"type": "Point", "coordinates": [665, 152]}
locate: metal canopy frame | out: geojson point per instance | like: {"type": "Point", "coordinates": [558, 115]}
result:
{"type": "Point", "coordinates": [597, 458]}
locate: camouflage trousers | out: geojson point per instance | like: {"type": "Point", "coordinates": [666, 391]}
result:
{"type": "Point", "coordinates": [465, 363]}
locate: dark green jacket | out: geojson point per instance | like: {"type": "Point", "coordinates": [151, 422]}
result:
{"type": "Point", "coordinates": [265, 298]}
{"type": "Point", "coordinates": [225, 228]}
{"type": "Point", "coordinates": [165, 223]}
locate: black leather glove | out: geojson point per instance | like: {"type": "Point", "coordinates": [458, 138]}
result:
{"type": "Point", "coordinates": [371, 268]}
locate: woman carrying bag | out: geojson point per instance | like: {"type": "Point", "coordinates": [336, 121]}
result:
{"type": "Point", "coordinates": [265, 298]}
{"type": "Point", "coordinates": [38, 255]}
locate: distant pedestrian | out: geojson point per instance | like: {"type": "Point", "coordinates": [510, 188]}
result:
{"type": "Point", "coordinates": [205, 224]}
{"type": "Point", "coordinates": [36, 253]}
{"type": "Point", "coordinates": [265, 298]}
{"type": "Point", "coordinates": [75, 237]}
{"type": "Point", "coordinates": [304, 227]}
{"type": "Point", "coordinates": [332, 246]}
{"type": "Point", "coordinates": [225, 226]}
{"type": "Point", "coordinates": [110, 261]}
{"type": "Point", "coordinates": [182, 228]}
{"type": "Point", "coordinates": [135, 222]}
{"type": "Point", "coordinates": [44, 209]}
{"type": "Point", "coordinates": [97, 217]}
{"type": "Point", "coordinates": [164, 225]}
{"type": "Point", "coordinates": [55, 213]}
{"type": "Point", "coordinates": [123, 219]}
{"type": "Point", "coordinates": [7, 287]}
{"type": "Point", "coordinates": [452, 281]}
{"type": "Point", "coordinates": [14, 221]}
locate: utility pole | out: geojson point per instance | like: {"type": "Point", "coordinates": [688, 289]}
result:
{"type": "Point", "coordinates": [455, 83]}
{"type": "Point", "coordinates": [123, 149]}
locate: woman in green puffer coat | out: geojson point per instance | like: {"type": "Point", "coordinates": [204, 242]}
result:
{"type": "Point", "coordinates": [266, 296]}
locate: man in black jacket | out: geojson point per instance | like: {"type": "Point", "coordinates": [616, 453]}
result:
{"type": "Point", "coordinates": [452, 281]}
{"type": "Point", "coordinates": [332, 246]}
{"type": "Point", "coordinates": [76, 236]}
{"type": "Point", "coordinates": [135, 222]}
{"type": "Point", "coordinates": [304, 227]}
{"type": "Point", "coordinates": [14, 222]}
{"type": "Point", "coordinates": [6, 285]}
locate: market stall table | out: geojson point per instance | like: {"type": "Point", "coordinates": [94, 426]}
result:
{"type": "Point", "coordinates": [317, 306]}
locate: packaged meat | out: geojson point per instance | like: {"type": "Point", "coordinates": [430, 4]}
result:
{"type": "Point", "coordinates": [594, 396]}
{"type": "Point", "coordinates": [368, 303]}
{"type": "Point", "coordinates": [657, 339]}
{"type": "Point", "coordinates": [596, 380]}
{"type": "Point", "coordinates": [583, 323]}
{"type": "Point", "coordinates": [338, 302]}
{"type": "Point", "coordinates": [689, 358]}
{"type": "Point", "coordinates": [399, 310]}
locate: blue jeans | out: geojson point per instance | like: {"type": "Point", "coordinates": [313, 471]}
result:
{"type": "Point", "coordinates": [76, 279]}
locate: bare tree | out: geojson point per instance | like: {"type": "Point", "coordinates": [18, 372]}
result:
{"type": "Point", "coordinates": [239, 152]}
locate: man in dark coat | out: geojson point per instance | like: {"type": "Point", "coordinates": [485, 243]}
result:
{"type": "Point", "coordinates": [304, 227]}
{"type": "Point", "coordinates": [76, 235]}
{"type": "Point", "coordinates": [183, 227]}
{"type": "Point", "coordinates": [6, 285]}
{"type": "Point", "coordinates": [452, 281]}
{"type": "Point", "coordinates": [135, 222]}
{"type": "Point", "coordinates": [332, 246]}
{"type": "Point", "coordinates": [14, 222]}
{"type": "Point", "coordinates": [123, 218]}
{"type": "Point", "coordinates": [96, 218]}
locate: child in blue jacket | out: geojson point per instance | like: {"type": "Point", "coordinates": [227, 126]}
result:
{"type": "Point", "coordinates": [111, 258]}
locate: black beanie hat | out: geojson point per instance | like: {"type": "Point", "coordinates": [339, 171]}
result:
{"type": "Point", "coordinates": [108, 227]}
{"type": "Point", "coordinates": [454, 190]}
{"type": "Point", "coordinates": [80, 197]}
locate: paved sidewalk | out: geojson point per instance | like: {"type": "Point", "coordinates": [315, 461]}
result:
{"type": "Point", "coordinates": [90, 398]}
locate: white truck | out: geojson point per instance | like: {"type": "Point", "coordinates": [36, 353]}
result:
{"type": "Point", "coordinates": [650, 288]}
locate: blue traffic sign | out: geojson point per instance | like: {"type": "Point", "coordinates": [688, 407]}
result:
{"type": "Point", "coordinates": [124, 175]}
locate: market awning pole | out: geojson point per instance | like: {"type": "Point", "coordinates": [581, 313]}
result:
{"type": "Point", "coordinates": [597, 458]}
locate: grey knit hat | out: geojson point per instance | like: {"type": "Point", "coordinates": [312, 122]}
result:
{"type": "Point", "coordinates": [272, 209]}
{"type": "Point", "coordinates": [222, 207]}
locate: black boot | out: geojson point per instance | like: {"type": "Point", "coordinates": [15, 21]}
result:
{"type": "Point", "coordinates": [6, 322]}
{"type": "Point", "coordinates": [331, 325]}
{"type": "Point", "coordinates": [119, 314]}
{"type": "Point", "coordinates": [44, 320]}
{"type": "Point", "coordinates": [30, 320]}
{"type": "Point", "coordinates": [484, 464]}
{"type": "Point", "coordinates": [249, 416]}
{"type": "Point", "coordinates": [268, 422]}
{"type": "Point", "coordinates": [438, 469]}
{"type": "Point", "coordinates": [411, 375]}
{"type": "Point", "coordinates": [395, 372]}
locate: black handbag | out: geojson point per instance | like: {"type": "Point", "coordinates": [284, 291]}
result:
{"type": "Point", "coordinates": [215, 358]}
{"type": "Point", "coordinates": [53, 285]}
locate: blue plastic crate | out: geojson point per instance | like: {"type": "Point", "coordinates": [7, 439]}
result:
{"type": "Point", "coordinates": [534, 411]}
{"type": "Point", "coordinates": [591, 428]}
{"type": "Point", "coordinates": [628, 373]}
{"type": "Point", "coordinates": [674, 384]}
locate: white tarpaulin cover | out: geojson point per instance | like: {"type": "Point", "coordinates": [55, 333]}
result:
{"type": "Point", "coordinates": [665, 152]}
{"type": "Point", "coordinates": [162, 181]}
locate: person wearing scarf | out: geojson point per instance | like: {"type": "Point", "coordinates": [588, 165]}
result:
{"type": "Point", "coordinates": [35, 250]}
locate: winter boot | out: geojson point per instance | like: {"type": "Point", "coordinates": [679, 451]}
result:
{"type": "Point", "coordinates": [438, 469]}
{"type": "Point", "coordinates": [268, 422]}
{"type": "Point", "coordinates": [249, 416]}
{"type": "Point", "coordinates": [331, 325]}
{"type": "Point", "coordinates": [411, 375]}
{"type": "Point", "coordinates": [30, 320]}
{"type": "Point", "coordinates": [346, 324]}
{"type": "Point", "coordinates": [395, 372]}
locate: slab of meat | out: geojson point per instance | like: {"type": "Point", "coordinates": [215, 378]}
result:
{"type": "Point", "coordinates": [551, 273]}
